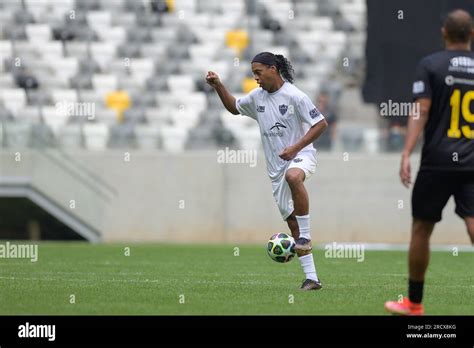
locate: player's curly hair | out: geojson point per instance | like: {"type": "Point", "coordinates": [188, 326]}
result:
{"type": "Point", "coordinates": [284, 67]}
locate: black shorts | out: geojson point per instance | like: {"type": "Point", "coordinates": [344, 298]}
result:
{"type": "Point", "coordinates": [434, 188]}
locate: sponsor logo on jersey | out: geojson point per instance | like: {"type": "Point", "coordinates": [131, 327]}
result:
{"type": "Point", "coordinates": [260, 108]}
{"type": "Point", "coordinates": [298, 160]}
{"type": "Point", "coordinates": [461, 64]}
{"type": "Point", "coordinates": [462, 61]}
{"type": "Point", "coordinates": [278, 125]}
{"type": "Point", "coordinates": [451, 80]}
{"type": "Point", "coordinates": [314, 113]}
{"type": "Point", "coordinates": [283, 108]}
{"type": "Point", "coordinates": [278, 132]}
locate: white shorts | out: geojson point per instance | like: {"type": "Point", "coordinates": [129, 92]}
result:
{"type": "Point", "coordinates": [306, 161]}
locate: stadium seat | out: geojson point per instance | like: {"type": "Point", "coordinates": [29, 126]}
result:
{"type": "Point", "coordinates": [17, 134]}
{"type": "Point", "coordinates": [86, 50]}
{"type": "Point", "coordinates": [64, 95]}
{"type": "Point", "coordinates": [55, 116]}
{"type": "Point", "coordinates": [158, 116]}
{"type": "Point", "coordinates": [118, 101]}
{"type": "Point", "coordinates": [187, 6]}
{"type": "Point", "coordinates": [104, 83]}
{"type": "Point", "coordinates": [96, 135]}
{"type": "Point", "coordinates": [121, 135]}
{"type": "Point", "coordinates": [185, 117]}
{"type": "Point", "coordinates": [148, 136]}
{"type": "Point", "coordinates": [38, 33]}
{"type": "Point", "coordinates": [249, 138]}
{"type": "Point", "coordinates": [6, 49]}
{"type": "Point", "coordinates": [181, 83]}
{"type": "Point", "coordinates": [236, 121]}
{"type": "Point", "coordinates": [13, 98]}
{"type": "Point", "coordinates": [99, 19]}
{"type": "Point", "coordinates": [41, 136]}
{"type": "Point", "coordinates": [142, 67]}
{"type": "Point", "coordinates": [115, 35]}
{"type": "Point", "coordinates": [249, 84]}
{"type": "Point", "coordinates": [199, 51]}
{"type": "Point", "coordinates": [173, 138]}
{"type": "Point", "coordinates": [6, 81]}
{"type": "Point", "coordinates": [29, 114]}
{"type": "Point", "coordinates": [237, 40]}
{"type": "Point", "coordinates": [103, 52]}
{"type": "Point", "coordinates": [71, 136]}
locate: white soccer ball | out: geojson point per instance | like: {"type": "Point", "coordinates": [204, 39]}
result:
{"type": "Point", "coordinates": [281, 247]}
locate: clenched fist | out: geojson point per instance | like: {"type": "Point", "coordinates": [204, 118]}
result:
{"type": "Point", "coordinates": [212, 79]}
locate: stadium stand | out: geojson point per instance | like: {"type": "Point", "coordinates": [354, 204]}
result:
{"type": "Point", "coordinates": [130, 73]}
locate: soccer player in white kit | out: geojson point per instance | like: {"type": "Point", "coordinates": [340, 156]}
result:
{"type": "Point", "coordinates": [289, 124]}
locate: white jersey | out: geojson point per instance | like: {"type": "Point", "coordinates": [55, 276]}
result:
{"type": "Point", "coordinates": [284, 117]}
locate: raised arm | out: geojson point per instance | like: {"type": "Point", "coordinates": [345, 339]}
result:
{"type": "Point", "coordinates": [227, 99]}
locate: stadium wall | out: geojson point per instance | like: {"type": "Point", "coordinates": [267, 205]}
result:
{"type": "Point", "coordinates": [190, 197]}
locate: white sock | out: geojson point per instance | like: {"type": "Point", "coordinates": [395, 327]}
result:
{"type": "Point", "coordinates": [309, 268]}
{"type": "Point", "coordinates": [303, 224]}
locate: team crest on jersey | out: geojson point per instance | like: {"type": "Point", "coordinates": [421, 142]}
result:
{"type": "Point", "coordinates": [314, 113]}
{"type": "Point", "coordinates": [283, 108]}
{"type": "Point", "coordinates": [260, 108]}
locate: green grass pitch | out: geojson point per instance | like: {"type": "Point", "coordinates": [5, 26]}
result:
{"type": "Point", "coordinates": [166, 279]}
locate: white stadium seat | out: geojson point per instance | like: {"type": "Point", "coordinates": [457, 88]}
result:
{"type": "Point", "coordinates": [38, 32]}
{"type": "Point", "coordinates": [55, 117]}
{"type": "Point", "coordinates": [96, 135]}
{"type": "Point", "coordinates": [64, 95]}
{"type": "Point", "coordinates": [6, 49]}
{"type": "Point", "coordinates": [181, 83]}
{"type": "Point", "coordinates": [103, 53]}
{"type": "Point", "coordinates": [99, 19]}
{"type": "Point", "coordinates": [115, 35]}
{"type": "Point", "coordinates": [148, 136]}
{"type": "Point", "coordinates": [142, 66]}
{"type": "Point", "coordinates": [105, 83]}
{"type": "Point", "coordinates": [14, 99]}
{"type": "Point", "coordinates": [174, 138]}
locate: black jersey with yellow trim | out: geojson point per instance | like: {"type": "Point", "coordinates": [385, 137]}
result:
{"type": "Point", "coordinates": [447, 78]}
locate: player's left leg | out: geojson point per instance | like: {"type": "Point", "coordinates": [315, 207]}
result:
{"type": "Point", "coordinates": [419, 252]}
{"type": "Point", "coordinates": [418, 260]}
